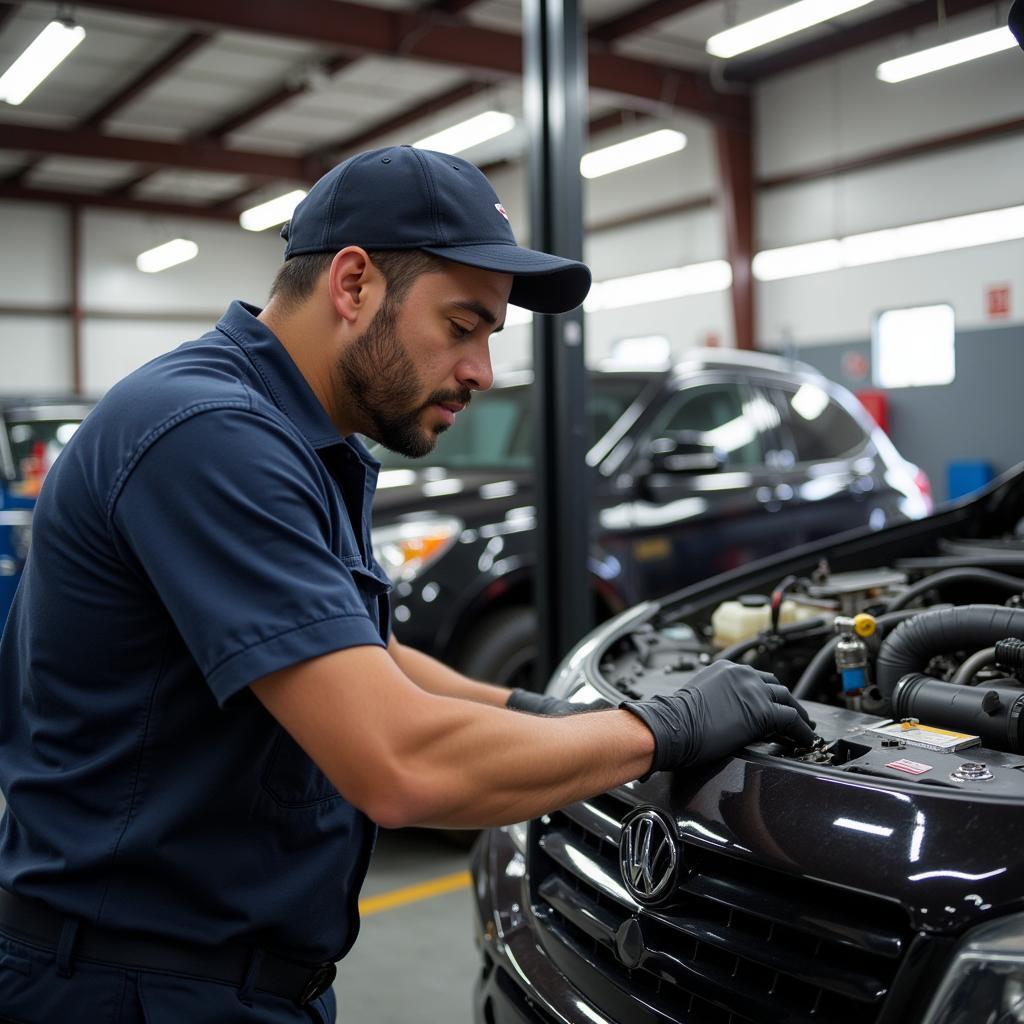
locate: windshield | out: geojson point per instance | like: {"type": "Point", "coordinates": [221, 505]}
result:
{"type": "Point", "coordinates": [495, 431]}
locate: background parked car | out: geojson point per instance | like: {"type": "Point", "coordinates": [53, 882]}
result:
{"type": "Point", "coordinates": [873, 879]}
{"type": "Point", "coordinates": [33, 431]}
{"type": "Point", "coordinates": [726, 458]}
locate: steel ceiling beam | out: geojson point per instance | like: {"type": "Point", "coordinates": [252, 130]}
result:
{"type": "Point", "coordinates": [915, 15]}
{"type": "Point", "coordinates": [432, 105]}
{"type": "Point", "coordinates": [267, 103]}
{"type": "Point", "coordinates": [639, 18]}
{"type": "Point", "coordinates": [146, 79]}
{"type": "Point", "coordinates": [40, 195]}
{"type": "Point", "coordinates": [429, 35]}
{"type": "Point", "coordinates": [199, 156]}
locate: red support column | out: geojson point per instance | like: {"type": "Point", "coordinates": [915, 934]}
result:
{"type": "Point", "coordinates": [75, 242]}
{"type": "Point", "coordinates": [736, 195]}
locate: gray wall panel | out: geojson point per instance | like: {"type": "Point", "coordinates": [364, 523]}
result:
{"type": "Point", "coordinates": [979, 416]}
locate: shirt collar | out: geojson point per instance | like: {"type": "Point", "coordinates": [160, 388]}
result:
{"type": "Point", "coordinates": [286, 386]}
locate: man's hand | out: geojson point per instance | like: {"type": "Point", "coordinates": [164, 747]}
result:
{"type": "Point", "coordinates": [542, 704]}
{"type": "Point", "coordinates": [725, 706]}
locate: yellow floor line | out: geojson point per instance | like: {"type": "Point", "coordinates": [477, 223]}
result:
{"type": "Point", "coordinates": [414, 893]}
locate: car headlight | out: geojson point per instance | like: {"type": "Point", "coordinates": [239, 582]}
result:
{"type": "Point", "coordinates": [406, 549]}
{"type": "Point", "coordinates": [987, 971]}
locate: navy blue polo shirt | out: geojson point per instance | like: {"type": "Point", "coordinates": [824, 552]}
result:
{"type": "Point", "coordinates": [205, 526]}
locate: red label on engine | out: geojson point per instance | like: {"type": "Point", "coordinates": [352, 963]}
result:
{"type": "Point", "coordinates": [910, 767]}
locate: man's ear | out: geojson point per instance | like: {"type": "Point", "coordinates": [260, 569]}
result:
{"type": "Point", "coordinates": [353, 282]}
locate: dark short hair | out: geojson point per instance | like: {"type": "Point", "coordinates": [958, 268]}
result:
{"type": "Point", "coordinates": [298, 276]}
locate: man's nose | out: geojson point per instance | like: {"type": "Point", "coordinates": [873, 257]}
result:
{"type": "Point", "coordinates": [475, 371]}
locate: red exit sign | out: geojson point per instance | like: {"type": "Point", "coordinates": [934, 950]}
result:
{"type": "Point", "coordinates": [997, 301]}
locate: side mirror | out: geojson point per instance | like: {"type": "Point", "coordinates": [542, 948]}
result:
{"type": "Point", "coordinates": [683, 451]}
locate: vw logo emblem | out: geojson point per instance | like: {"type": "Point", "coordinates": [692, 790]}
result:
{"type": "Point", "coordinates": [648, 855]}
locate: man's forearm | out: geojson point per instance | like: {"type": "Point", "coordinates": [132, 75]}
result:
{"type": "Point", "coordinates": [409, 757]}
{"type": "Point", "coordinates": [431, 675]}
{"type": "Point", "coordinates": [473, 767]}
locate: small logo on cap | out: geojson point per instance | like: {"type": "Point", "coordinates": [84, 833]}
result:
{"type": "Point", "coordinates": [501, 210]}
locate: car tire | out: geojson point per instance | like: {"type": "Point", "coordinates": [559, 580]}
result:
{"type": "Point", "coordinates": [503, 649]}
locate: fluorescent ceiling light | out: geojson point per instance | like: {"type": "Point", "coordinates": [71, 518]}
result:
{"type": "Point", "coordinates": [42, 55]}
{"type": "Point", "coordinates": [946, 56]}
{"type": "Point", "coordinates": [170, 254]}
{"type": "Point", "coordinates": [796, 260]}
{"type": "Point", "coordinates": [945, 235]}
{"type": "Point", "coordinates": [632, 152]}
{"type": "Point", "coordinates": [639, 289]}
{"type": "Point", "coordinates": [783, 22]}
{"type": "Point", "coordinates": [488, 125]}
{"type": "Point", "coordinates": [273, 211]}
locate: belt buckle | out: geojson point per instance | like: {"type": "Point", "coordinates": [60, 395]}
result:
{"type": "Point", "coordinates": [318, 982]}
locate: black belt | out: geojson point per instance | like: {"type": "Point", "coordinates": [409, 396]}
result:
{"type": "Point", "coordinates": [235, 965]}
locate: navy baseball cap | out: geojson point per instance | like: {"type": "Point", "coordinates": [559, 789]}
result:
{"type": "Point", "coordinates": [407, 198]}
{"type": "Point", "coordinates": [1016, 21]}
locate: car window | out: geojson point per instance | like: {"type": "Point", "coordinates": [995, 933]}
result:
{"type": "Point", "coordinates": [821, 428]}
{"type": "Point", "coordinates": [495, 431]}
{"type": "Point", "coordinates": [35, 445]}
{"type": "Point", "coordinates": [723, 416]}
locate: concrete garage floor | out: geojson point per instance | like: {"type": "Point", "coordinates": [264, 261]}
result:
{"type": "Point", "coordinates": [415, 960]}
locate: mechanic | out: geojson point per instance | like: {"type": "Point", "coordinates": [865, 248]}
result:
{"type": "Point", "coordinates": [204, 716]}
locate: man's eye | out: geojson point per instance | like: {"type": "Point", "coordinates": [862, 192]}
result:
{"type": "Point", "coordinates": [459, 330]}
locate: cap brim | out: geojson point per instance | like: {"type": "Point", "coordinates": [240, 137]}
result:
{"type": "Point", "coordinates": [543, 282]}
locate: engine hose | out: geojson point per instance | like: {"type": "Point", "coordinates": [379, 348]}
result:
{"type": "Point", "coordinates": [822, 666]}
{"type": "Point", "coordinates": [942, 631]}
{"type": "Point", "coordinates": [964, 675]}
{"type": "Point", "coordinates": [1011, 584]}
{"type": "Point", "coordinates": [792, 630]}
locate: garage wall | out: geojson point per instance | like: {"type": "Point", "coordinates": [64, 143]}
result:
{"type": "Point", "coordinates": [836, 111]}
{"type": "Point", "coordinates": [810, 118]}
{"type": "Point", "coordinates": [977, 417]}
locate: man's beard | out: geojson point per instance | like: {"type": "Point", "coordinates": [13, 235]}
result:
{"type": "Point", "coordinates": [381, 379]}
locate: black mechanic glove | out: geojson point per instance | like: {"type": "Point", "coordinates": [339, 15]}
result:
{"type": "Point", "coordinates": [542, 704]}
{"type": "Point", "coordinates": [724, 707]}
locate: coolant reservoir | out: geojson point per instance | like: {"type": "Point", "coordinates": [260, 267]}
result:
{"type": "Point", "coordinates": [733, 621]}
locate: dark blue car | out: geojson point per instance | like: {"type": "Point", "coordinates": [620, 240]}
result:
{"type": "Point", "coordinates": [724, 459]}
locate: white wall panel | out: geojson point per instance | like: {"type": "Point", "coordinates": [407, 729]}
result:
{"type": "Point", "coordinates": [673, 241]}
{"type": "Point", "coordinates": [231, 264]}
{"type": "Point", "coordinates": [839, 306]}
{"type": "Point", "coordinates": [111, 349]}
{"type": "Point", "coordinates": [34, 261]}
{"type": "Point", "coordinates": [685, 322]}
{"type": "Point", "coordinates": [967, 180]}
{"type": "Point", "coordinates": [35, 355]}
{"type": "Point", "coordinates": [837, 109]}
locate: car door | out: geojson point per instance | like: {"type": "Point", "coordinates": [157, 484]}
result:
{"type": "Point", "coordinates": [689, 525]}
{"type": "Point", "coordinates": [827, 459]}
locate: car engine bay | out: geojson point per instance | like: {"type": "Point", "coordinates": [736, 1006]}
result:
{"type": "Point", "coordinates": [915, 670]}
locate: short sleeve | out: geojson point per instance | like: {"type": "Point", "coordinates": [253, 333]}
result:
{"type": "Point", "coordinates": [231, 518]}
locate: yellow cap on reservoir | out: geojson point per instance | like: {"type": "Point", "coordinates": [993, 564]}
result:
{"type": "Point", "coordinates": [864, 625]}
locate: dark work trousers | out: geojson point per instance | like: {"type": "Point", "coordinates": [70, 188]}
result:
{"type": "Point", "coordinates": [36, 989]}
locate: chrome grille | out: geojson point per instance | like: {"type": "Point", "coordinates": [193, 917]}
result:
{"type": "Point", "coordinates": [736, 943]}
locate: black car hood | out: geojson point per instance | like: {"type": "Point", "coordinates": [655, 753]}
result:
{"type": "Point", "coordinates": [942, 866]}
